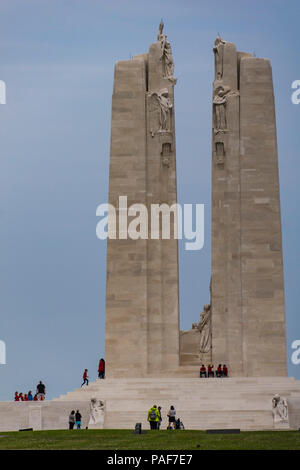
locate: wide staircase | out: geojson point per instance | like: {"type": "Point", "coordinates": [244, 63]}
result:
{"type": "Point", "coordinates": [205, 403]}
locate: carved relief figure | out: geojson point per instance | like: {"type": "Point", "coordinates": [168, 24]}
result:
{"type": "Point", "coordinates": [219, 103]}
{"type": "Point", "coordinates": [160, 30]}
{"type": "Point", "coordinates": [204, 327]}
{"type": "Point", "coordinates": [165, 106]}
{"type": "Point", "coordinates": [279, 408]}
{"type": "Point", "coordinates": [219, 53]}
{"type": "Point", "coordinates": [166, 54]}
{"type": "Point", "coordinates": [96, 413]}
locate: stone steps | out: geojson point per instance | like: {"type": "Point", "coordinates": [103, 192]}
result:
{"type": "Point", "coordinates": [243, 403]}
{"type": "Point", "coordinates": [173, 388]}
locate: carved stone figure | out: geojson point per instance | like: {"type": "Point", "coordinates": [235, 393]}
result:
{"type": "Point", "coordinates": [219, 53]}
{"type": "Point", "coordinates": [166, 54]}
{"type": "Point", "coordinates": [165, 106]}
{"type": "Point", "coordinates": [204, 327]}
{"type": "Point", "coordinates": [219, 102]}
{"type": "Point", "coordinates": [280, 409]}
{"type": "Point", "coordinates": [160, 30]}
{"type": "Point", "coordinates": [96, 413]}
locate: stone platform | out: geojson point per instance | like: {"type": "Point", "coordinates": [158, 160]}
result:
{"type": "Point", "coordinates": [212, 403]}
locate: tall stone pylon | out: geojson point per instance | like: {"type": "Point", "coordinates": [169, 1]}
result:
{"type": "Point", "coordinates": [142, 306]}
{"type": "Point", "coordinates": [247, 290]}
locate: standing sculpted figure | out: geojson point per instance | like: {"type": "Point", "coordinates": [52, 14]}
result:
{"type": "Point", "coordinates": [166, 53]}
{"type": "Point", "coordinates": [219, 53]}
{"type": "Point", "coordinates": [96, 413]}
{"type": "Point", "coordinates": [221, 94]}
{"type": "Point", "coordinates": [204, 327]}
{"type": "Point", "coordinates": [279, 408]}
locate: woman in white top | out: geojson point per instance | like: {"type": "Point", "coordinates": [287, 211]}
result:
{"type": "Point", "coordinates": [172, 417]}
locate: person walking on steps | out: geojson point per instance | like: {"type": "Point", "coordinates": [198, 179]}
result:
{"type": "Point", "coordinates": [85, 378]}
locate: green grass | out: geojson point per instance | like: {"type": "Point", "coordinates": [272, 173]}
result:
{"type": "Point", "coordinates": [109, 439]}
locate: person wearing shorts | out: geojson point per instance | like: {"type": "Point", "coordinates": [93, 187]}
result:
{"type": "Point", "coordinates": [172, 417]}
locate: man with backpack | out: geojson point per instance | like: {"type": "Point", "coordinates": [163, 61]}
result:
{"type": "Point", "coordinates": [153, 417]}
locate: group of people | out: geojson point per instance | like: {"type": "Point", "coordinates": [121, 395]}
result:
{"type": "Point", "coordinates": [155, 418]}
{"type": "Point", "coordinates": [75, 419]}
{"type": "Point", "coordinates": [101, 372]}
{"type": "Point", "coordinates": [39, 395]}
{"type": "Point", "coordinates": [222, 371]}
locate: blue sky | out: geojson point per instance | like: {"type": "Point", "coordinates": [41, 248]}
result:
{"type": "Point", "coordinates": [57, 59]}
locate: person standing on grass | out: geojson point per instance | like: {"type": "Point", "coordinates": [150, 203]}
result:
{"type": "Point", "coordinates": [160, 417]}
{"type": "Point", "coordinates": [78, 419]}
{"type": "Point", "coordinates": [172, 417]}
{"type": "Point", "coordinates": [72, 419]}
{"type": "Point", "coordinates": [153, 417]}
{"type": "Point", "coordinates": [85, 377]}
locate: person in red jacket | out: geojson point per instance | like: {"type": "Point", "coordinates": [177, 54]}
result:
{"type": "Point", "coordinates": [210, 370]}
{"type": "Point", "coordinates": [35, 398]}
{"type": "Point", "coordinates": [225, 371]}
{"type": "Point", "coordinates": [21, 398]}
{"type": "Point", "coordinates": [85, 377]}
{"type": "Point", "coordinates": [17, 397]}
{"type": "Point", "coordinates": [219, 371]}
{"type": "Point", "coordinates": [25, 397]}
{"type": "Point", "coordinates": [203, 371]}
{"type": "Point", "coordinates": [101, 369]}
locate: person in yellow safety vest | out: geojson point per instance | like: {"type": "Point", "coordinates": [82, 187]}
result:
{"type": "Point", "coordinates": [153, 417]}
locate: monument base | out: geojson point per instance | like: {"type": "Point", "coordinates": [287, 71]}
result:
{"type": "Point", "coordinates": [209, 403]}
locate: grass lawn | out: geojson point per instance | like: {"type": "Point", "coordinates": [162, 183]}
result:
{"type": "Point", "coordinates": [109, 439]}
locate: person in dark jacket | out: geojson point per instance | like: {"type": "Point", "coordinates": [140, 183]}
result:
{"type": "Point", "coordinates": [41, 391]}
{"type": "Point", "coordinates": [160, 417]}
{"type": "Point", "coordinates": [78, 419]}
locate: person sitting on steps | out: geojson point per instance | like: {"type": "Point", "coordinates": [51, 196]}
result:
{"type": "Point", "coordinates": [203, 371]}
{"type": "Point", "coordinates": [210, 372]}
{"type": "Point", "coordinates": [219, 371]}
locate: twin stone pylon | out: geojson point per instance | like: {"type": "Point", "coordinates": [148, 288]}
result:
{"type": "Point", "coordinates": [244, 324]}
